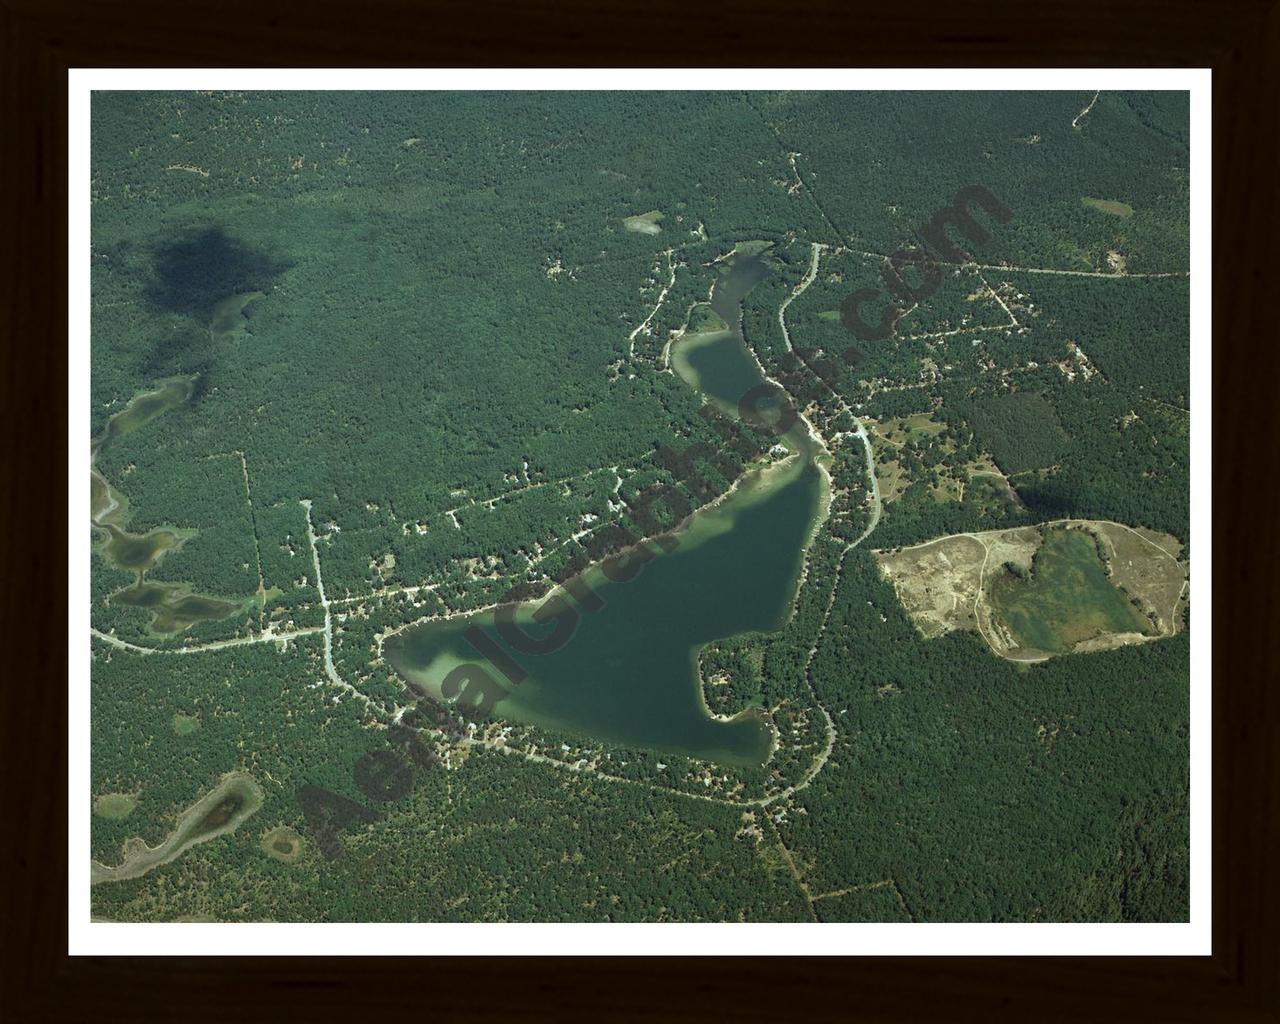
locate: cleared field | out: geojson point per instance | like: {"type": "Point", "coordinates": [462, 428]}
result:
{"type": "Point", "coordinates": [919, 426]}
{"type": "Point", "coordinates": [899, 462]}
{"type": "Point", "coordinates": [1116, 209]}
{"type": "Point", "coordinates": [185, 725]}
{"type": "Point", "coordinates": [1033, 592]}
{"type": "Point", "coordinates": [115, 805]}
{"type": "Point", "coordinates": [940, 583]}
{"type": "Point", "coordinates": [644, 223]}
{"type": "Point", "coordinates": [1146, 566]}
{"type": "Point", "coordinates": [891, 478]}
{"type": "Point", "coordinates": [283, 844]}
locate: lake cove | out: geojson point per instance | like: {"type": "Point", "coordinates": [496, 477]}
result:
{"type": "Point", "coordinates": [628, 674]}
{"type": "Point", "coordinates": [138, 552]}
{"type": "Point", "coordinates": [143, 408]}
{"type": "Point", "coordinates": [229, 320]}
{"type": "Point", "coordinates": [133, 552]}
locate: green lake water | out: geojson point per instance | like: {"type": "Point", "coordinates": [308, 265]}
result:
{"type": "Point", "coordinates": [173, 608]}
{"type": "Point", "coordinates": [628, 673]}
{"type": "Point", "coordinates": [146, 407]}
{"type": "Point", "coordinates": [137, 552]}
{"type": "Point", "coordinates": [717, 362]}
{"type": "Point", "coordinates": [1067, 600]}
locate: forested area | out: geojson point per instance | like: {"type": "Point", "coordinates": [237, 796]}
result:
{"type": "Point", "coordinates": [875, 162]}
{"type": "Point", "coordinates": [993, 792]}
{"type": "Point", "coordinates": [489, 842]}
{"type": "Point", "coordinates": [253, 708]}
{"type": "Point", "coordinates": [428, 316]}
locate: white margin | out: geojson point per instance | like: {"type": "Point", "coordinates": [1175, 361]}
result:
{"type": "Point", "coordinates": [105, 939]}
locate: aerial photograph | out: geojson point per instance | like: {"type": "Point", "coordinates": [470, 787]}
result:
{"type": "Point", "coordinates": [639, 506]}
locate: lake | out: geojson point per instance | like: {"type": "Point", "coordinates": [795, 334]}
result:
{"type": "Point", "coordinates": [629, 672]}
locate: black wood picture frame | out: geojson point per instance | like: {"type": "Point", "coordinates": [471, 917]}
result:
{"type": "Point", "coordinates": [41, 39]}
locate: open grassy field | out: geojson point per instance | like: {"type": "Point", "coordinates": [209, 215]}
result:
{"type": "Point", "coordinates": [185, 725]}
{"type": "Point", "coordinates": [906, 439]}
{"type": "Point", "coordinates": [644, 223]}
{"type": "Point", "coordinates": [920, 426]}
{"type": "Point", "coordinates": [115, 805]}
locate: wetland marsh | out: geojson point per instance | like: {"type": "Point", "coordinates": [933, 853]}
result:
{"type": "Point", "coordinates": [173, 606]}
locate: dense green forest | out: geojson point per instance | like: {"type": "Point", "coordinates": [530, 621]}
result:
{"type": "Point", "coordinates": [425, 366]}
